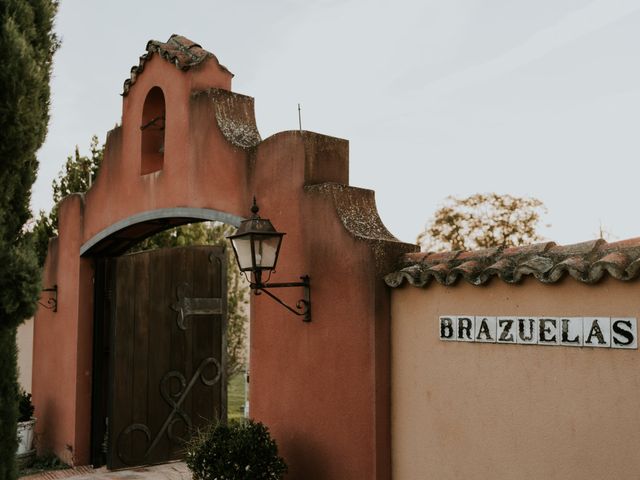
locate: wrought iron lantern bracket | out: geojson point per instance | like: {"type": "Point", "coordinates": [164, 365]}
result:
{"type": "Point", "coordinates": [303, 306]}
{"type": "Point", "coordinates": [256, 246]}
{"type": "Point", "coordinates": [52, 301]}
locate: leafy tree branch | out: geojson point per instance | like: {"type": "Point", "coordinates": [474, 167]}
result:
{"type": "Point", "coordinates": [483, 221]}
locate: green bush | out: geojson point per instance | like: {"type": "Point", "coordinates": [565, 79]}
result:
{"type": "Point", "coordinates": [25, 407]}
{"type": "Point", "coordinates": [237, 451]}
{"type": "Point", "coordinates": [44, 463]}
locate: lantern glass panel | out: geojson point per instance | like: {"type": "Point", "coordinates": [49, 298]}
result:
{"type": "Point", "coordinates": [242, 246]}
{"type": "Point", "coordinates": [266, 249]}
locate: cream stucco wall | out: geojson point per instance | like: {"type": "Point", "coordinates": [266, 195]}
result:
{"type": "Point", "coordinates": [495, 411]}
{"type": "Point", "coordinates": [25, 354]}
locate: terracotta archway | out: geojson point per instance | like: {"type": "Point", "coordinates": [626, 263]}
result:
{"type": "Point", "coordinates": [322, 388]}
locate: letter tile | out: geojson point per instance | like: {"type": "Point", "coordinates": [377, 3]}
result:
{"type": "Point", "coordinates": [485, 329]}
{"type": "Point", "coordinates": [548, 331]}
{"type": "Point", "coordinates": [506, 330]}
{"type": "Point", "coordinates": [597, 332]}
{"type": "Point", "coordinates": [527, 330]}
{"type": "Point", "coordinates": [571, 331]}
{"type": "Point", "coordinates": [448, 328]}
{"type": "Point", "coordinates": [624, 332]}
{"type": "Point", "coordinates": [465, 331]}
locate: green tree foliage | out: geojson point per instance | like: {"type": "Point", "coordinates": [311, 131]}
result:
{"type": "Point", "coordinates": [483, 221]}
{"type": "Point", "coordinates": [79, 173]}
{"type": "Point", "coordinates": [42, 229]}
{"type": "Point", "coordinates": [27, 43]}
{"type": "Point", "coordinates": [9, 404]}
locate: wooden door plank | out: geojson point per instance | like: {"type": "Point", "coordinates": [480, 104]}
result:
{"type": "Point", "coordinates": [206, 399]}
{"type": "Point", "coordinates": [202, 400]}
{"type": "Point", "coordinates": [100, 383]}
{"type": "Point", "coordinates": [160, 333]}
{"type": "Point", "coordinates": [177, 259]}
{"type": "Point", "coordinates": [122, 357]}
{"type": "Point", "coordinates": [139, 370]}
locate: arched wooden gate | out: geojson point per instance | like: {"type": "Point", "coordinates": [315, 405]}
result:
{"type": "Point", "coordinates": [159, 343]}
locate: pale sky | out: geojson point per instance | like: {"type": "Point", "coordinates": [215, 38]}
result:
{"type": "Point", "coordinates": [538, 98]}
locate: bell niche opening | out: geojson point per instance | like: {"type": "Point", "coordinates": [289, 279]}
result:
{"type": "Point", "coordinates": [152, 129]}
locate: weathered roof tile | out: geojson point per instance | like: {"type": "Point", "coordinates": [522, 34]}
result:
{"type": "Point", "coordinates": [178, 50]}
{"type": "Point", "coordinates": [470, 268]}
{"type": "Point", "coordinates": [614, 263]}
{"type": "Point", "coordinates": [535, 249]}
{"type": "Point", "coordinates": [586, 262]}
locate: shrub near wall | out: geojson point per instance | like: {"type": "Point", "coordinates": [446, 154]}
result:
{"type": "Point", "coordinates": [238, 451]}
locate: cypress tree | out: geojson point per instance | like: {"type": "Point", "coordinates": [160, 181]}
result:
{"type": "Point", "coordinates": [27, 45]}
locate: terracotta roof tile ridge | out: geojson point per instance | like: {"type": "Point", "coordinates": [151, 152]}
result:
{"type": "Point", "coordinates": [178, 50]}
{"type": "Point", "coordinates": [586, 262]}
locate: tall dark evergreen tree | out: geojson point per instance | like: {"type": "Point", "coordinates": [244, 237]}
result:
{"type": "Point", "coordinates": [27, 43]}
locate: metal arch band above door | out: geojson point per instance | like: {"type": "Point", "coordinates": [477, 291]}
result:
{"type": "Point", "coordinates": [121, 235]}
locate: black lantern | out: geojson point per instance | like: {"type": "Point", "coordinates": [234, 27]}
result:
{"type": "Point", "coordinates": [256, 246]}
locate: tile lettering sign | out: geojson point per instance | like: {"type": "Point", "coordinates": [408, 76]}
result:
{"type": "Point", "coordinates": [597, 332]}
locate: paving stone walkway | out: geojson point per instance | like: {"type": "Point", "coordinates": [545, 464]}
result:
{"type": "Point", "coordinates": [167, 471]}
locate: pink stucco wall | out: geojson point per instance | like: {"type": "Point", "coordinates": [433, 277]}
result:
{"type": "Point", "coordinates": [298, 371]}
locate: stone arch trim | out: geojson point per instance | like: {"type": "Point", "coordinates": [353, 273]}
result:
{"type": "Point", "coordinates": [181, 213]}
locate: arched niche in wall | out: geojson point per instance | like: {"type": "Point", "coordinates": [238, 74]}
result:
{"type": "Point", "coordinates": [152, 132]}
